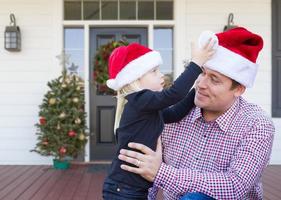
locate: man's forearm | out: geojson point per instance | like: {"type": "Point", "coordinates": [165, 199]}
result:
{"type": "Point", "coordinates": [181, 181]}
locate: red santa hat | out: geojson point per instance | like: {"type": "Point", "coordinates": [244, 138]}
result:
{"type": "Point", "coordinates": [128, 63]}
{"type": "Point", "coordinates": [236, 54]}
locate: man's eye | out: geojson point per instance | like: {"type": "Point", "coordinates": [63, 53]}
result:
{"type": "Point", "coordinates": [215, 80]}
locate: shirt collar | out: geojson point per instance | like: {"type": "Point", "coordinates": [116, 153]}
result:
{"type": "Point", "coordinates": [224, 120]}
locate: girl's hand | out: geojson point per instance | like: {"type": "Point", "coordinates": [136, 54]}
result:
{"type": "Point", "coordinates": [202, 55]}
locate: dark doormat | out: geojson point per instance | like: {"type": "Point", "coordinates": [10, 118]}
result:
{"type": "Point", "coordinates": [94, 168]}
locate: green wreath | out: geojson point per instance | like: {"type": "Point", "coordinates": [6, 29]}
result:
{"type": "Point", "coordinates": [100, 71]}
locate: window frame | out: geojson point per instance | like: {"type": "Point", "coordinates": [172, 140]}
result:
{"type": "Point", "coordinates": [276, 59]}
{"type": "Point", "coordinates": [82, 17]}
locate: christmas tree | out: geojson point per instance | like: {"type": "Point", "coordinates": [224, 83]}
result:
{"type": "Point", "coordinates": [61, 127]}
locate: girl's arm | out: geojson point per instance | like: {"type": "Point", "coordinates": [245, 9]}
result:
{"type": "Point", "coordinates": [178, 111]}
{"type": "Point", "coordinates": [147, 100]}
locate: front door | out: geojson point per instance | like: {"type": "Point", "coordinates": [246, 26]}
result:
{"type": "Point", "coordinates": [102, 106]}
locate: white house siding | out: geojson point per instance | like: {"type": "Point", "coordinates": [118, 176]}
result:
{"type": "Point", "coordinates": [198, 15]}
{"type": "Point", "coordinates": [23, 75]}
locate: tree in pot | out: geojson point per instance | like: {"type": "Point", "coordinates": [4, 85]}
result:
{"type": "Point", "coordinates": [61, 128]}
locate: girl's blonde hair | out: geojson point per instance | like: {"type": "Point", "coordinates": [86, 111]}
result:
{"type": "Point", "coordinates": [121, 101]}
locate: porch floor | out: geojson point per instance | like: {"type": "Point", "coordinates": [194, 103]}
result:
{"type": "Point", "coordinates": [77, 183]}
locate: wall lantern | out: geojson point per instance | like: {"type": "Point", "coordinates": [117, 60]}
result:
{"type": "Point", "coordinates": [230, 23]}
{"type": "Point", "coordinates": [12, 36]}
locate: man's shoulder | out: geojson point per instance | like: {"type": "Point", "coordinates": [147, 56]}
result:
{"type": "Point", "coordinates": [253, 113]}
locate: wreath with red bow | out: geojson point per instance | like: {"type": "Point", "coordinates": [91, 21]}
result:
{"type": "Point", "coordinates": [100, 72]}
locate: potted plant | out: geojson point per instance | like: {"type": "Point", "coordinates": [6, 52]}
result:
{"type": "Point", "coordinates": [61, 127]}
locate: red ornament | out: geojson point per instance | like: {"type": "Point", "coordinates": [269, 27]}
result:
{"type": "Point", "coordinates": [72, 133]}
{"type": "Point", "coordinates": [62, 150]}
{"type": "Point", "coordinates": [45, 142]}
{"type": "Point", "coordinates": [42, 120]}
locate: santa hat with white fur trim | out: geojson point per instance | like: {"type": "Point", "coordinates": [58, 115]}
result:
{"type": "Point", "coordinates": [236, 53]}
{"type": "Point", "coordinates": [128, 63]}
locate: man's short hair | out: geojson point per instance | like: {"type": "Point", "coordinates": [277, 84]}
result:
{"type": "Point", "coordinates": [234, 84]}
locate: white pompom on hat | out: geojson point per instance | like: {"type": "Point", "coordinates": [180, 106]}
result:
{"type": "Point", "coordinates": [236, 53]}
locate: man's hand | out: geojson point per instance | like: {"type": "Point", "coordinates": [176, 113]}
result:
{"type": "Point", "coordinates": [147, 164]}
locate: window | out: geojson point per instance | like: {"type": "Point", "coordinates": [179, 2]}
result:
{"type": "Point", "coordinates": [74, 46]}
{"type": "Point", "coordinates": [91, 10]}
{"type": "Point", "coordinates": [163, 42]}
{"type": "Point", "coordinates": [118, 9]}
{"type": "Point", "coordinates": [127, 10]}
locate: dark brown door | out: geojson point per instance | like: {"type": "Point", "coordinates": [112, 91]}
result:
{"type": "Point", "coordinates": [102, 105]}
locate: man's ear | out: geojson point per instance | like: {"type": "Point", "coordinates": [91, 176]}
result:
{"type": "Point", "coordinates": [239, 90]}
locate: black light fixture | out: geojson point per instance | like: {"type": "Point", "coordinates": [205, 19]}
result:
{"type": "Point", "coordinates": [12, 36]}
{"type": "Point", "coordinates": [230, 23]}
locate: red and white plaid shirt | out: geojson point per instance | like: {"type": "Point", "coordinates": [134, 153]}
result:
{"type": "Point", "coordinates": [223, 159]}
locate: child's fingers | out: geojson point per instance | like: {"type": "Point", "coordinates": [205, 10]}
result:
{"type": "Point", "coordinates": [211, 44]}
{"type": "Point", "coordinates": [211, 53]}
{"type": "Point", "coordinates": [207, 43]}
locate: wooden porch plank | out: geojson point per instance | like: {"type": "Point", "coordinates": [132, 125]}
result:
{"type": "Point", "coordinates": [12, 175]}
{"type": "Point", "coordinates": [26, 182]}
{"type": "Point", "coordinates": [18, 181]}
{"type": "Point", "coordinates": [11, 170]}
{"type": "Point", "coordinates": [83, 187]}
{"type": "Point", "coordinates": [95, 190]}
{"type": "Point", "coordinates": [60, 185]}
{"type": "Point", "coordinates": [271, 184]}
{"type": "Point", "coordinates": [4, 169]}
{"type": "Point", "coordinates": [73, 183]}
{"type": "Point", "coordinates": [270, 194]}
{"type": "Point", "coordinates": [37, 184]}
{"type": "Point", "coordinates": [47, 186]}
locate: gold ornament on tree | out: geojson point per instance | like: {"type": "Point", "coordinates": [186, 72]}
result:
{"type": "Point", "coordinates": [52, 101]}
{"type": "Point", "coordinates": [77, 121]}
{"type": "Point", "coordinates": [75, 100]}
{"type": "Point", "coordinates": [62, 115]}
{"type": "Point", "coordinates": [81, 136]}
{"type": "Point", "coordinates": [58, 127]}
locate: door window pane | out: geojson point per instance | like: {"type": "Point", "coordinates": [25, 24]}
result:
{"type": "Point", "coordinates": [128, 10]}
{"type": "Point", "coordinates": [146, 10]}
{"type": "Point", "coordinates": [91, 10]}
{"type": "Point", "coordinates": [163, 42]}
{"type": "Point", "coordinates": [72, 10]}
{"type": "Point", "coordinates": [74, 46]}
{"type": "Point", "coordinates": [109, 9]}
{"type": "Point", "coordinates": [164, 10]}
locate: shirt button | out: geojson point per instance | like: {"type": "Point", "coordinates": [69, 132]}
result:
{"type": "Point", "coordinates": [118, 189]}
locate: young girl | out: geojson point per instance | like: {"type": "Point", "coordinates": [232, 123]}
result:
{"type": "Point", "coordinates": [144, 108]}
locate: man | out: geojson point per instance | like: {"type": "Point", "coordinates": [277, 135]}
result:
{"type": "Point", "coordinates": [223, 145]}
